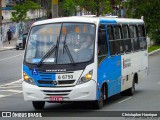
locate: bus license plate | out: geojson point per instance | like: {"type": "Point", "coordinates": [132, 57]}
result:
{"type": "Point", "coordinates": [56, 98]}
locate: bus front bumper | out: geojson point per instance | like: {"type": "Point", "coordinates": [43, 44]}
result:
{"type": "Point", "coordinates": [82, 92]}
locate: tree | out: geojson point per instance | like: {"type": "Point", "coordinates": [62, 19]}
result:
{"type": "Point", "coordinates": [151, 12]}
{"type": "Point", "coordinates": [20, 13]}
{"type": "Point", "coordinates": [66, 7]}
{"type": "Point", "coordinates": [46, 5]}
{"type": "Point", "coordinates": [97, 7]}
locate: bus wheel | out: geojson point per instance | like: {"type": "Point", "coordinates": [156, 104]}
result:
{"type": "Point", "coordinates": [38, 104]}
{"type": "Point", "coordinates": [99, 103]}
{"type": "Point", "coordinates": [131, 90]}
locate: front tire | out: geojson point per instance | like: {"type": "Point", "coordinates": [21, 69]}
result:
{"type": "Point", "coordinates": [98, 104]}
{"type": "Point", "coordinates": [38, 105]}
{"type": "Point", "coordinates": [17, 48]}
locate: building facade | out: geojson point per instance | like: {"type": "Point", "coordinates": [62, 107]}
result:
{"type": "Point", "coordinates": [13, 26]}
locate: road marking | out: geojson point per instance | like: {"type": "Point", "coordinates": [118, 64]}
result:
{"type": "Point", "coordinates": [2, 96]}
{"type": "Point", "coordinates": [10, 57]}
{"type": "Point", "coordinates": [125, 100]}
{"type": "Point", "coordinates": [11, 87]}
{"type": "Point", "coordinates": [20, 80]}
{"type": "Point", "coordinates": [17, 91]}
{"type": "Point", "coordinates": [5, 87]}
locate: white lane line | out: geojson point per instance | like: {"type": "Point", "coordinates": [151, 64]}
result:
{"type": "Point", "coordinates": [2, 96]}
{"type": "Point", "coordinates": [12, 85]}
{"type": "Point", "coordinates": [17, 91]}
{"type": "Point", "coordinates": [6, 87]}
{"type": "Point", "coordinates": [124, 100]}
{"type": "Point", "coordinates": [20, 80]}
{"type": "Point", "coordinates": [10, 57]}
{"type": "Point", "coordinates": [16, 84]}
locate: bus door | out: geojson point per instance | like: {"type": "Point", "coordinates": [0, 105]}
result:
{"type": "Point", "coordinates": [114, 62]}
{"type": "Point", "coordinates": [108, 67]}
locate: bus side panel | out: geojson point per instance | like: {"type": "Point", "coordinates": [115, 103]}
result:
{"type": "Point", "coordinates": [133, 63]}
{"type": "Point", "coordinates": [110, 71]}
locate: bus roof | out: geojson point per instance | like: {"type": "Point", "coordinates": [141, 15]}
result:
{"type": "Point", "coordinates": [87, 19]}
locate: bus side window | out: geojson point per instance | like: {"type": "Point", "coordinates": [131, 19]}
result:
{"type": "Point", "coordinates": [102, 42]}
{"type": "Point", "coordinates": [118, 39]}
{"type": "Point", "coordinates": [142, 37]}
{"type": "Point", "coordinates": [134, 37]}
{"type": "Point", "coordinates": [111, 40]}
{"type": "Point", "coordinates": [126, 39]}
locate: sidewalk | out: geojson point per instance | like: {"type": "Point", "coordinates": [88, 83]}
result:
{"type": "Point", "coordinates": [7, 46]}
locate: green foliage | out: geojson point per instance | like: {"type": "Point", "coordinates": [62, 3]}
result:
{"type": "Point", "coordinates": [152, 48]}
{"type": "Point", "coordinates": [20, 13]}
{"type": "Point", "coordinates": [66, 7]}
{"type": "Point", "coordinates": [151, 11]}
{"type": "Point", "coordinates": [97, 7]}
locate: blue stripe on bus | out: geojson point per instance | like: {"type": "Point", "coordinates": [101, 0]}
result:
{"type": "Point", "coordinates": [40, 76]}
{"type": "Point", "coordinates": [108, 21]}
{"type": "Point", "coordinates": [109, 71]}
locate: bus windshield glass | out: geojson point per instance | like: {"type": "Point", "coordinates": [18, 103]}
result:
{"type": "Point", "coordinates": [73, 43]}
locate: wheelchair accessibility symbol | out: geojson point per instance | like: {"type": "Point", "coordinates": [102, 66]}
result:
{"type": "Point", "coordinates": [34, 71]}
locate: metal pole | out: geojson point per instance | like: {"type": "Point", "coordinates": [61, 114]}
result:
{"type": "Point", "coordinates": [54, 8]}
{"type": "Point", "coordinates": [1, 41]}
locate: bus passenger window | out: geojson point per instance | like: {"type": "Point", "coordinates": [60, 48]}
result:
{"type": "Point", "coordinates": [118, 40]}
{"type": "Point", "coordinates": [102, 44]}
{"type": "Point", "coordinates": [126, 40]}
{"type": "Point", "coordinates": [111, 40]}
{"type": "Point", "coordinates": [134, 37]}
{"type": "Point", "coordinates": [116, 43]}
{"type": "Point", "coordinates": [117, 32]}
{"type": "Point", "coordinates": [141, 36]}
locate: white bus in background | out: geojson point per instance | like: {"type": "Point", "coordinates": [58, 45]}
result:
{"type": "Point", "coordinates": [83, 59]}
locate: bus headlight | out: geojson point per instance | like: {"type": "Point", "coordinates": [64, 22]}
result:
{"type": "Point", "coordinates": [28, 79]}
{"type": "Point", "coordinates": [86, 77]}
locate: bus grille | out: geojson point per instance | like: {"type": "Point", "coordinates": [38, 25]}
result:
{"type": "Point", "coordinates": [64, 82]}
{"type": "Point", "coordinates": [56, 92]}
{"type": "Point", "coordinates": [47, 80]}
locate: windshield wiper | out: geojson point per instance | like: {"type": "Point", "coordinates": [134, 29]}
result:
{"type": "Point", "coordinates": [53, 48]}
{"type": "Point", "coordinates": [68, 51]}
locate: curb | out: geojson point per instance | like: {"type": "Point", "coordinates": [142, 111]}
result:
{"type": "Point", "coordinates": [153, 52]}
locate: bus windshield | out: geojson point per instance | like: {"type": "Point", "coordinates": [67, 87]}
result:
{"type": "Point", "coordinates": [72, 43]}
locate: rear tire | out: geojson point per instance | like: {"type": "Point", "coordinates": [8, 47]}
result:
{"type": "Point", "coordinates": [131, 90]}
{"type": "Point", "coordinates": [38, 105]}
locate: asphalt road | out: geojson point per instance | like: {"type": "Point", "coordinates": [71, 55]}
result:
{"type": "Point", "coordinates": [146, 97]}
{"type": "Point", "coordinates": [10, 65]}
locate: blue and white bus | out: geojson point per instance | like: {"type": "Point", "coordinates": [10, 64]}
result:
{"type": "Point", "coordinates": [83, 59]}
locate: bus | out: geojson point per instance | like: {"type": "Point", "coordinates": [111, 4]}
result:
{"type": "Point", "coordinates": [86, 59]}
